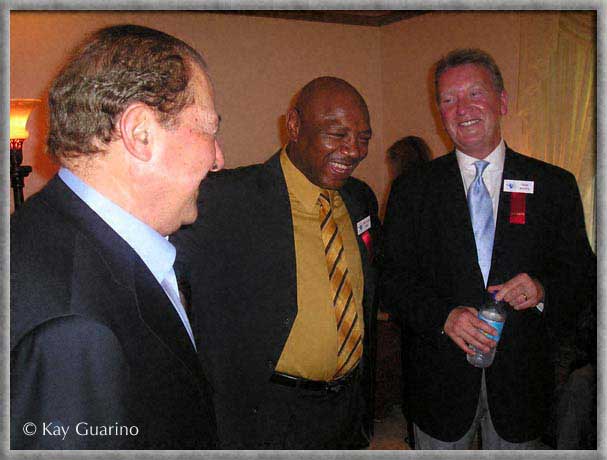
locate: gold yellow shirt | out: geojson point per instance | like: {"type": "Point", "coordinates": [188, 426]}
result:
{"type": "Point", "coordinates": [311, 348]}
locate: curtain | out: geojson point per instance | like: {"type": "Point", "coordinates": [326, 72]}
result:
{"type": "Point", "coordinates": [556, 99]}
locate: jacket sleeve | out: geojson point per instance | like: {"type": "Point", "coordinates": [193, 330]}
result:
{"type": "Point", "coordinates": [67, 375]}
{"type": "Point", "coordinates": [569, 265]}
{"type": "Point", "coordinates": [406, 285]}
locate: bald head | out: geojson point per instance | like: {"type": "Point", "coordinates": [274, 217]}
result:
{"type": "Point", "coordinates": [329, 131]}
{"type": "Point", "coordinates": [321, 91]}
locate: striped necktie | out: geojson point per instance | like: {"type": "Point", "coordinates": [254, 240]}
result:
{"type": "Point", "coordinates": [349, 325]}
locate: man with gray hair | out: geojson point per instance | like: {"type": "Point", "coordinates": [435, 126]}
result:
{"type": "Point", "coordinates": [102, 351]}
{"type": "Point", "coordinates": [482, 219]}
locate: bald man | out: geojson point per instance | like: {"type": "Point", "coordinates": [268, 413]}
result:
{"type": "Point", "coordinates": [284, 318]}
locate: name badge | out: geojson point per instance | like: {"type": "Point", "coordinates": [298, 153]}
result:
{"type": "Point", "coordinates": [518, 186]}
{"type": "Point", "coordinates": [363, 225]}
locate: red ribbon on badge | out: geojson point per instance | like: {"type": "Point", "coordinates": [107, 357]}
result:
{"type": "Point", "coordinates": [366, 237]}
{"type": "Point", "coordinates": [517, 208]}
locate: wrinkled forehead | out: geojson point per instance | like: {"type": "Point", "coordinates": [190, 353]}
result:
{"type": "Point", "coordinates": [468, 73]}
{"type": "Point", "coordinates": [333, 104]}
{"type": "Point", "coordinates": [202, 88]}
{"type": "Point", "coordinates": [204, 99]}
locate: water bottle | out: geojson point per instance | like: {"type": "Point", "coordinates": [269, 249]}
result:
{"type": "Point", "coordinates": [493, 313]}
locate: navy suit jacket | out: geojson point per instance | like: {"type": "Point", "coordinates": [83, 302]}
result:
{"type": "Point", "coordinates": [95, 341]}
{"type": "Point", "coordinates": [431, 267]}
{"type": "Point", "coordinates": [239, 257]}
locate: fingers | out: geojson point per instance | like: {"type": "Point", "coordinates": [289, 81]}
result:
{"type": "Point", "coordinates": [456, 322]}
{"type": "Point", "coordinates": [460, 343]}
{"type": "Point", "coordinates": [495, 288]}
{"type": "Point", "coordinates": [520, 292]}
{"type": "Point", "coordinates": [478, 340]}
{"type": "Point", "coordinates": [463, 325]}
{"type": "Point", "coordinates": [480, 324]}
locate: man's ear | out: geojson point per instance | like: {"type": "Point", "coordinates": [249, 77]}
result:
{"type": "Point", "coordinates": [137, 125]}
{"type": "Point", "coordinates": [503, 102]}
{"type": "Point", "coordinates": [293, 124]}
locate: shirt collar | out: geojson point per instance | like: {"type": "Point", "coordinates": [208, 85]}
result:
{"type": "Point", "coordinates": [156, 251]}
{"type": "Point", "coordinates": [495, 158]}
{"type": "Point", "coordinates": [298, 184]}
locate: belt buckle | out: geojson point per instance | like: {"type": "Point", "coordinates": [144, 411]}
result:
{"type": "Point", "coordinates": [335, 386]}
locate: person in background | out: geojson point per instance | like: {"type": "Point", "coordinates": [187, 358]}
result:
{"type": "Point", "coordinates": [286, 317]}
{"type": "Point", "coordinates": [102, 352]}
{"type": "Point", "coordinates": [575, 404]}
{"type": "Point", "coordinates": [482, 217]}
{"type": "Point", "coordinates": [406, 153]}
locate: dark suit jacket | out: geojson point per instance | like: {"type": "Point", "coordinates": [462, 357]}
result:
{"type": "Point", "coordinates": [240, 260]}
{"type": "Point", "coordinates": [431, 267]}
{"type": "Point", "coordinates": [95, 339]}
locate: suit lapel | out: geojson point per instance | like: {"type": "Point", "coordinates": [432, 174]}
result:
{"type": "Point", "coordinates": [114, 250]}
{"type": "Point", "coordinates": [458, 226]}
{"type": "Point", "coordinates": [513, 169]}
{"type": "Point", "coordinates": [357, 210]}
{"type": "Point", "coordinates": [128, 270]}
{"type": "Point", "coordinates": [158, 313]}
{"type": "Point", "coordinates": [278, 221]}
{"type": "Point", "coordinates": [278, 213]}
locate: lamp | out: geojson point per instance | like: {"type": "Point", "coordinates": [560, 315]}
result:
{"type": "Point", "coordinates": [20, 112]}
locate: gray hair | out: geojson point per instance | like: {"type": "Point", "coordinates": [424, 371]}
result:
{"type": "Point", "coordinates": [464, 56]}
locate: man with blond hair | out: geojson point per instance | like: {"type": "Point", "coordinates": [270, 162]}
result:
{"type": "Point", "coordinates": [481, 218]}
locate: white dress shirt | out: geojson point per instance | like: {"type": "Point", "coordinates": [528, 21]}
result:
{"type": "Point", "coordinates": [156, 252]}
{"type": "Point", "coordinates": [492, 176]}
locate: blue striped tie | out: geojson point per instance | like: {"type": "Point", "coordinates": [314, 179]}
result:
{"type": "Point", "coordinates": [481, 213]}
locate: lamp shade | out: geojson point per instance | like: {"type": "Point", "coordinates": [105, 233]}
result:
{"type": "Point", "coordinates": [20, 112]}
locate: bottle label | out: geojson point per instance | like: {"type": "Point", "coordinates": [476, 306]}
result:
{"type": "Point", "coordinates": [497, 325]}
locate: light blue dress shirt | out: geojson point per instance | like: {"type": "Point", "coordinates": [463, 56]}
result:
{"type": "Point", "coordinates": [156, 252]}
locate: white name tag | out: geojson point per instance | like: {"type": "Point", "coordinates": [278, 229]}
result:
{"type": "Point", "coordinates": [518, 186]}
{"type": "Point", "coordinates": [363, 225]}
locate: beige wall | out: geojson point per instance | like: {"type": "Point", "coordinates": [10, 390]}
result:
{"type": "Point", "coordinates": [410, 48]}
{"type": "Point", "coordinates": [259, 63]}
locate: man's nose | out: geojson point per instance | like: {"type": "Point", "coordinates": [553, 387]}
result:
{"type": "Point", "coordinates": [219, 159]}
{"type": "Point", "coordinates": [462, 105]}
{"type": "Point", "coordinates": [351, 148]}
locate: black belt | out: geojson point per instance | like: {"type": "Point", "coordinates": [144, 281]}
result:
{"type": "Point", "coordinates": [313, 385]}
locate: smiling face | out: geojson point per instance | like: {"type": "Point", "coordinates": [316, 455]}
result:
{"type": "Point", "coordinates": [471, 109]}
{"type": "Point", "coordinates": [329, 135]}
{"type": "Point", "coordinates": [188, 151]}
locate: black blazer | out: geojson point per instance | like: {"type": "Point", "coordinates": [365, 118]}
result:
{"type": "Point", "coordinates": [95, 341]}
{"type": "Point", "coordinates": [240, 260]}
{"type": "Point", "coordinates": [431, 267]}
